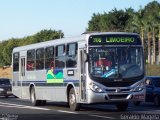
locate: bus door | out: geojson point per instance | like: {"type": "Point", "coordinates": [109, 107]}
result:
{"type": "Point", "coordinates": [22, 74]}
{"type": "Point", "coordinates": [82, 74]}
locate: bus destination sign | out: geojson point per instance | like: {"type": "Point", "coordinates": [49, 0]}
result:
{"type": "Point", "coordinates": [114, 40]}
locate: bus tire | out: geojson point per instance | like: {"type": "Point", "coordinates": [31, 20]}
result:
{"type": "Point", "coordinates": [42, 102]}
{"type": "Point", "coordinates": [74, 106]}
{"type": "Point", "coordinates": [122, 106]}
{"type": "Point", "coordinates": [33, 98]}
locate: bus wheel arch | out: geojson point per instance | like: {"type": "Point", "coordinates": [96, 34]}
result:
{"type": "Point", "coordinates": [69, 86]}
{"type": "Point", "coordinates": [30, 87]}
{"type": "Point", "coordinates": [72, 98]}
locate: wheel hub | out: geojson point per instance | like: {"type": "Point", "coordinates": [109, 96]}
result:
{"type": "Point", "coordinates": [72, 99]}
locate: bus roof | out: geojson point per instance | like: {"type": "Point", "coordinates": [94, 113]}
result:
{"type": "Point", "coordinates": [82, 37]}
{"type": "Point", "coordinates": [110, 33]}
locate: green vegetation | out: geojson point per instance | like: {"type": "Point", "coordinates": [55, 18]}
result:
{"type": "Point", "coordinates": [7, 46]}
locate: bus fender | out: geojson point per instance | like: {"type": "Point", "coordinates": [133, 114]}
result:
{"type": "Point", "coordinates": [30, 86]}
{"type": "Point", "coordinates": [69, 86]}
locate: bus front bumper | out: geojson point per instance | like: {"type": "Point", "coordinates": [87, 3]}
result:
{"type": "Point", "coordinates": [115, 97]}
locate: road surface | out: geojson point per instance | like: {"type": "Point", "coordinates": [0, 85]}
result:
{"type": "Point", "coordinates": [16, 109]}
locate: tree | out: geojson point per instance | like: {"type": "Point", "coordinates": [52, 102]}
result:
{"type": "Point", "coordinates": [153, 19]}
{"type": "Point", "coordinates": [93, 24]}
{"type": "Point", "coordinates": [158, 17]}
{"type": "Point", "coordinates": [7, 51]}
{"type": "Point", "coordinates": [6, 47]}
{"type": "Point", "coordinates": [45, 35]}
{"type": "Point", "coordinates": [2, 61]}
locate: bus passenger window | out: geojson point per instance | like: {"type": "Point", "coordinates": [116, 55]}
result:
{"type": "Point", "coordinates": [16, 61]}
{"type": "Point", "coordinates": [40, 59]}
{"type": "Point", "coordinates": [71, 60]}
{"type": "Point", "coordinates": [30, 60]}
{"type": "Point", "coordinates": [60, 56]}
{"type": "Point", "coordinates": [49, 57]}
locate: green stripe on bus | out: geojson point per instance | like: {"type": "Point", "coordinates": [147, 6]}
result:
{"type": "Point", "coordinates": [54, 80]}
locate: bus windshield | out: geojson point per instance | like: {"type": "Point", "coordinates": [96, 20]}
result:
{"type": "Point", "coordinates": [116, 62]}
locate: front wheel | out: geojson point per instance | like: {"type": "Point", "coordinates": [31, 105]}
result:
{"type": "Point", "coordinates": [74, 106]}
{"type": "Point", "coordinates": [122, 106]}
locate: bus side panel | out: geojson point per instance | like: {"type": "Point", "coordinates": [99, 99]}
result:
{"type": "Point", "coordinates": [38, 79]}
{"type": "Point", "coordinates": [16, 85]}
{"type": "Point", "coordinates": [61, 95]}
{"type": "Point", "coordinates": [48, 93]}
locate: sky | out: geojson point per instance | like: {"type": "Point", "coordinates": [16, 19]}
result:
{"type": "Point", "coordinates": [20, 18]}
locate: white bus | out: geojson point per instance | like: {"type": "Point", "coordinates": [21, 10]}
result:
{"type": "Point", "coordinates": [100, 67]}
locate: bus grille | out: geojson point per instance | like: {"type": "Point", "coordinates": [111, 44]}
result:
{"type": "Point", "coordinates": [113, 90]}
{"type": "Point", "coordinates": [118, 84]}
{"type": "Point", "coordinates": [124, 96]}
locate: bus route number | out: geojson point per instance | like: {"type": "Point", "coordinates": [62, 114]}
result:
{"type": "Point", "coordinates": [97, 40]}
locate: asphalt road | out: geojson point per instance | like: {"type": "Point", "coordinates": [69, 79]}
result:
{"type": "Point", "coordinates": [17, 109]}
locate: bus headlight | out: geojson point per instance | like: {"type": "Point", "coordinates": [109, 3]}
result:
{"type": "Point", "coordinates": [95, 88]}
{"type": "Point", "coordinates": [138, 88]}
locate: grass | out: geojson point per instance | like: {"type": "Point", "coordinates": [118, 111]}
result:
{"type": "Point", "coordinates": [152, 70]}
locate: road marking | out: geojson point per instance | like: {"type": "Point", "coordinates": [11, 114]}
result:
{"type": "Point", "coordinates": [21, 106]}
{"type": "Point", "coordinates": [102, 116]}
{"type": "Point", "coordinates": [67, 112]}
{"type": "Point", "coordinates": [31, 107]}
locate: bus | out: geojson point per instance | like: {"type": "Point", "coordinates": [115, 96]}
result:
{"type": "Point", "coordinates": [93, 68]}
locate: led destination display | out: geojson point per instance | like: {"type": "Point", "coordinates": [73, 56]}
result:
{"type": "Point", "coordinates": [114, 40]}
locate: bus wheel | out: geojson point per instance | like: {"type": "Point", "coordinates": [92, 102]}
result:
{"type": "Point", "coordinates": [42, 102]}
{"type": "Point", "coordinates": [74, 106]}
{"type": "Point", "coordinates": [122, 106]}
{"type": "Point", "coordinates": [33, 98]}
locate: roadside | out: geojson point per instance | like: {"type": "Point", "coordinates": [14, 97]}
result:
{"type": "Point", "coordinates": [152, 70]}
{"type": "Point", "coordinates": [6, 72]}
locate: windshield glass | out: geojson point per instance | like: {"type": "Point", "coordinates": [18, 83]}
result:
{"type": "Point", "coordinates": [115, 62]}
{"type": "Point", "coordinates": [4, 81]}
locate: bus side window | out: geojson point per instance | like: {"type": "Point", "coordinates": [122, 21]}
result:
{"type": "Point", "coordinates": [30, 60]}
{"type": "Point", "coordinates": [16, 61]}
{"type": "Point", "coordinates": [71, 60]}
{"type": "Point", "coordinates": [49, 57]}
{"type": "Point", "coordinates": [40, 58]}
{"type": "Point", "coordinates": [60, 56]}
